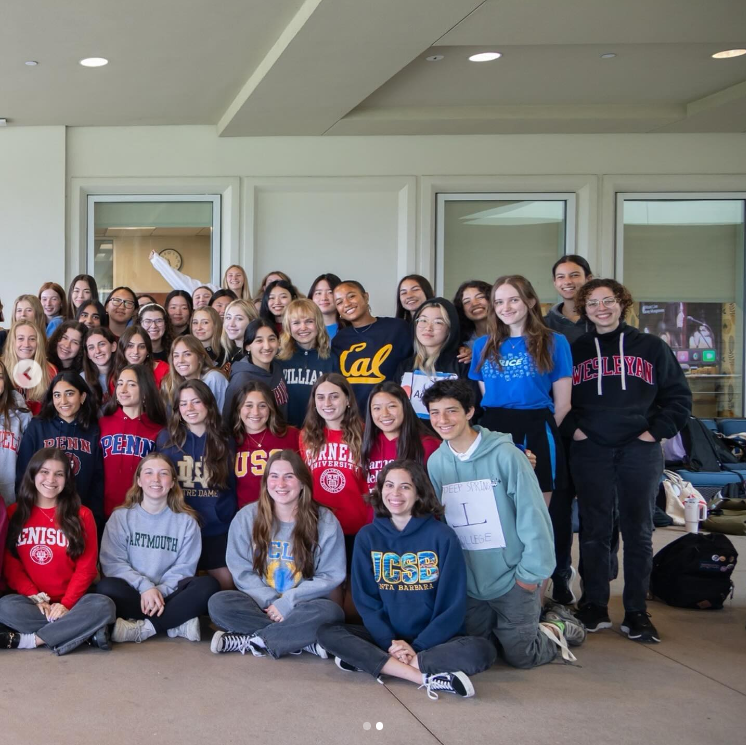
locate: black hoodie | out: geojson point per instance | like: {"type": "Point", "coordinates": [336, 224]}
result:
{"type": "Point", "coordinates": [244, 371]}
{"type": "Point", "coordinates": [647, 392]}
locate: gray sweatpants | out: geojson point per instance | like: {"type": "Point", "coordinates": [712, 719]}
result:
{"type": "Point", "coordinates": [82, 621]}
{"type": "Point", "coordinates": [234, 610]}
{"type": "Point", "coordinates": [514, 619]}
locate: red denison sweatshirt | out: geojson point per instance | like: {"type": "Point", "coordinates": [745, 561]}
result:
{"type": "Point", "coordinates": [43, 564]}
{"type": "Point", "coordinates": [124, 443]}
{"type": "Point", "coordinates": [338, 481]}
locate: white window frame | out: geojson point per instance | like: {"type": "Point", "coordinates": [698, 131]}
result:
{"type": "Point", "coordinates": [215, 239]}
{"type": "Point", "coordinates": [441, 198]}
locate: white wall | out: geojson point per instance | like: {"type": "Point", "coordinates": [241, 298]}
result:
{"type": "Point", "coordinates": [32, 210]}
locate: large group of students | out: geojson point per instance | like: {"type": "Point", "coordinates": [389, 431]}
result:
{"type": "Point", "coordinates": [395, 493]}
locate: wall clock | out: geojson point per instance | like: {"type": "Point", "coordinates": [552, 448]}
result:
{"type": "Point", "coordinates": [172, 256]}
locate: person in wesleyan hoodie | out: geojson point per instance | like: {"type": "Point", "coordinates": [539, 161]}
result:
{"type": "Point", "coordinates": [409, 586]}
{"type": "Point", "coordinates": [628, 392]}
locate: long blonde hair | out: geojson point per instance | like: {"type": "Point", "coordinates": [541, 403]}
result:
{"type": "Point", "coordinates": [175, 500]}
{"type": "Point", "coordinates": [248, 308]}
{"type": "Point", "coordinates": [302, 307]}
{"type": "Point", "coordinates": [39, 318]}
{"type": "Point", "coordinates": [217, 326]}
{"type": "Point", "coordinates": [11, 359]}
{"type": "Point", "coordinates": [423, 360]}
{"type": "Point", "coordinates": [245, 290]}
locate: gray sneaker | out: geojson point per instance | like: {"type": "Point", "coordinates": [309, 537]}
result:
{"type": "Point", "coordinates": [187, 630]}
{"type": "Point", "coordinates": [572, 628]}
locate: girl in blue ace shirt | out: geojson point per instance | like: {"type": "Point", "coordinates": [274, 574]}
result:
{"type": "Point", "coordinates": [409, 586]}
{"type": "Point", "coordinates": [525, 372]}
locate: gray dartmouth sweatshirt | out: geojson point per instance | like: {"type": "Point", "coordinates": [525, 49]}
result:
{"type": "Point", "coordinates": [149, 551]}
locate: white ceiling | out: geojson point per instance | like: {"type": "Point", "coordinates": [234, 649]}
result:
{"type": "Point", "coordinates": [357, 67]}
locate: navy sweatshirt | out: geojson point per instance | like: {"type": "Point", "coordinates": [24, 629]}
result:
{"type": "Point", "coordinates": [83, 449]}
{"type": "Point", "coordinates": [409, 584]}
{"type": "Point", "coordinates": [216, 507]}
{"type": "Point", "coordinates": [623, 384]}
{"type": "Point", "coordinates": [301, 371]}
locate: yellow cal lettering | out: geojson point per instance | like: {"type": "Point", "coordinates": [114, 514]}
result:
{"type": "Point", "coordinates": [364, 370]}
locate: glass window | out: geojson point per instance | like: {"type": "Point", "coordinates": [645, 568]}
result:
{"type": "Point", "coordinates": [482, 236]}
{"type": "Point", "coordinates": [683, 261]}
{"type": "Point", "coordinates": [123, 230]}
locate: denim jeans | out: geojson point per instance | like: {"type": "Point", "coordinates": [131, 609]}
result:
{"type": "Point", "coordinates": [608, 479]}
{"type": "Point", "coordinates": [236, 611]}
{"type": "Point", "coordinates": [355, 645]}
{"type": "Point", "coordinates": [189, 600]}
{"type": "Point", "coordinates": [513, 619]}
{"type": "Point", "coordinates": [81, 622]}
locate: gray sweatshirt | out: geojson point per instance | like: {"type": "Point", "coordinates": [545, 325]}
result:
{"type": "Point", "coordinates": [281, 586]}
{"type": "Point", "coordinates": [11, 433]}
{"type": "Point", "coordinates": [149, 551]}
{"type": "Point", "coordinates": [571, 330]}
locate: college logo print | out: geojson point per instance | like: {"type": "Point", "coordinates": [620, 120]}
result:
{"type": "Point", "coordinates": [41, 554]}
{"type": "Point", "coordinates": [333, 480]}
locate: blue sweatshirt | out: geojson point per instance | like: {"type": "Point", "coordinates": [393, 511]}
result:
{"type": "Point", "coordinates": [301, 371]}
{"type": "Point", "coordinates": [83, 449]}
{"type": "Point", "coordinates": [494, 503]}
{"type": "Point", "coordinates": [409, 584]}
{"type": "Point", "coordinates": [216, 507]}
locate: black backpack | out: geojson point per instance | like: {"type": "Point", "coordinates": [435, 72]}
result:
{"type": "Point", "coordinates": [694, 571]}
{"type": "Point", "coordinates": [704, 450]}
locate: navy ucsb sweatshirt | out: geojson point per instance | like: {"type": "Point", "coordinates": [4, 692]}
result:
{"type": "Point", "coordinates": [624, 383]}
{"type": "Point", "coordinates": [83, 449]}
{"type": "Point", "coordinates": [409, 584]}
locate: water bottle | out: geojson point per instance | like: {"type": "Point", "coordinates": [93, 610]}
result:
{"type": "Point", "coordinates": [694, 511]}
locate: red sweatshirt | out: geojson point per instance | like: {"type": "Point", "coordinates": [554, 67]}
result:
{"type": "Point", "coordinates": [251, 460]}
{"type": "Point", "coordinates": [43, 564]}
{"type": "Point", "coordinates": [124, 442]}
{"type": "Point", "coordinates": [338, 482]}
{"type": "Point", "coordinates": [384, 452]}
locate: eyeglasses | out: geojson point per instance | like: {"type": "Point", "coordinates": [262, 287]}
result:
{"type": "Point", "coordinates": [148, 322]}
{"type": "Point", "coordinates": [608, 302]}
{"type": "Point", "coordinates": [438, 323]}
{"type": "Point", "coordinates": [117, 301]}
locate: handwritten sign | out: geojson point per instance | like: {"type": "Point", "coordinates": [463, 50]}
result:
{"type": "Point", "coordinates": [471, 510]}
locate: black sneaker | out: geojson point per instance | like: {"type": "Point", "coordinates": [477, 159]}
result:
{"type": "Point", "coordinates": [457, 683]}
{"type": "Point", "coordinates": [342, 665]}
{"type": "Point", "coordinates": [9, 639]}
{"type": "Point", "coordinates": [638, 627]}
{"type": "Point", "coordinates": [593, 617]}
{"type": "Point", "coordinates": [101, 639]}
{"type": "Point", "coordinates": [561, 591]}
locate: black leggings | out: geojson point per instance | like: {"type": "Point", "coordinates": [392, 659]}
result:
{"type": "Point", "coordinates": [187, 601]}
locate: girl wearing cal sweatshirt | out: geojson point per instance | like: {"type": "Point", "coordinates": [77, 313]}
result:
{"type": "Point", "coordinates": [50, 561]}
{"type": "Point", "coordinates": [203, 457]}
{"type": "Point", "coordinates": [286, 554]}
{"type": "Point", "coordinates": [149, 554]}
{"type": "Point", "coordinates": [409, 586]}
{"type": "Point", "coordinates": [628, 392]}
{"type": "Point", "coordinates": [128, 432]}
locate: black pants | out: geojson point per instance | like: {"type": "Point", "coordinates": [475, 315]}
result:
{"type": "Point", "coordinates": [189, 600]}
{"type": "Point", "coordinates": [624, 478]}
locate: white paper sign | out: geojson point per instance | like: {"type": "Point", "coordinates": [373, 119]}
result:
{"type": "Point", "coordinates": [416, 383]}
{"type": "Point", "coordinates": [471, 510]}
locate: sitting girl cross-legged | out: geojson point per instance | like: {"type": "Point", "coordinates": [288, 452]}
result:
{"type": "Point", "coordinates": [149, 554]}
{"type": "Point", "coordinates": [286, 554]}
{"type": "Point", "coordinates": [50, 561]}
{"type": "Point", "coordinates": [416, 635]}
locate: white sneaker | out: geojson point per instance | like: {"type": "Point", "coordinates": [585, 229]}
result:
{"type": "Point", "coordinates": [457, 683]}
{"type": "Point", "coordinates": [187, 630]}
{"type": "Point", "coordinates": [132, 631]}
{"type": "Point", "coordinates": [316, 649]}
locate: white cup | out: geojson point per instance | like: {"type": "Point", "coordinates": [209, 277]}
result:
{"type": "Point", "coordinates": [694, 512]}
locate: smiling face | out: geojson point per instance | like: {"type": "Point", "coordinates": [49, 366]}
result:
{"type": "Point", "coordinates": [26, 342]}
{"type": "Point", "coordinates": [178, 311]}
{"type": "Point", "coordinates": [449, 419]}
{"type": "Point", "coordinates": [191, 408]}
{"type": "Point", "coordinates": [90, 317]}
{"type": "Point", "coordinates": [81, 293]}
{"type": "Point", "coordinates": [254, 413]}
{"type": "Point", "coordinates": [69, 345]}
{"type": "Point", "coordinates": [156, 479]}
{"type": "Point", "coordinates": [509, 307]}
{"type": "Point", "coordinates": [128, 389]}
{"type": "Point", "coordinates": [278, 299]}
{"type": "Point", "coordinates": [24, 311]}
{"type": "Point", "coordinates": [264, 347]}
{"type": "Point", "coordinates": [432, 327]}
{"type": "Point", "coordinates": [67, 400]}
{"type": "Point", "coordinates": [221, 304]}
{"type": "Point", "coordinates": [411, 295]}
{"type": "Point", "coordinates": [49, 482]}
{"type": "Point", "coordinates": [604, 318]}
{"type": "Point", "coordinates": [398, 493]}
{"type": "Point", "coordinates": [387, 413]}
{"type": "Point", "coordinates": [351, 304]}
{"type": "Point", "coordinates": [185, 362]}
{"type": "Point", "coordinates": [136, 352]}
{"type": "Point", "coordinates": [51, 303]}
{"type": "Point", "coordinates": [476, 304]}
{"type": "Point", "coordinates": [234, 278]}
{"type": "Point", "coordinates": [202, 326]}
{"type": "Point", "coordinates": [568, 279]}
{"type": "Point", "coordinates": [323, 297]}
{"type": "Point", "coordinates": [331, 403]}
{"type": "Point", "coordinates": [121, 306]}
{"type": "Point", "coordinates": [201, 297]}
{"type": "Point", "coordinates": [100, 351]}
{"type": "Point", "coordinates": [235, 322]}
{"type": "Point", "coordinates": [282, 484]}
{"type": "Point", "coordinates": [304, 330]}
{"type": "Point", "coordinates": [154, 324]}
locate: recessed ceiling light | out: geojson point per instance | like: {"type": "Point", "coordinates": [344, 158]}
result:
{"type": "Point", "coordinates": [94, 62]}
{"type": "Point", "coordinates": [608, 55]}
{"type": "Point", "coordinates": [485, 56]}
{"type": "Point", "coordinates": [435, 57]}
{"type": "Point", "coordinates": [728, 53]}
{"type": "Point", "coordinates": [31, 63]}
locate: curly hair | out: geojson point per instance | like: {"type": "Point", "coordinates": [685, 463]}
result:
{"type": "Point", "coordinates": [303, 308]}
{"type": "Point", "coordinates": [426, 502]}
{"type": "Point", "coordinates": [621, 293]}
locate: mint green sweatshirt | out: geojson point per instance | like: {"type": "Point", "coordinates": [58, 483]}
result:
{"type": "Point", "coordinates": [494, 503]}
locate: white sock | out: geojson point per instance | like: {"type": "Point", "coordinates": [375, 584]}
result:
{"type": "Point", "coordinates": [424, 678]}
{"type": "Point", "coordinates": [28, 641]}
{"type": "Point", "coordinates": [258, 642]}
{"type": "Point", "coordinates": [148, 629]}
